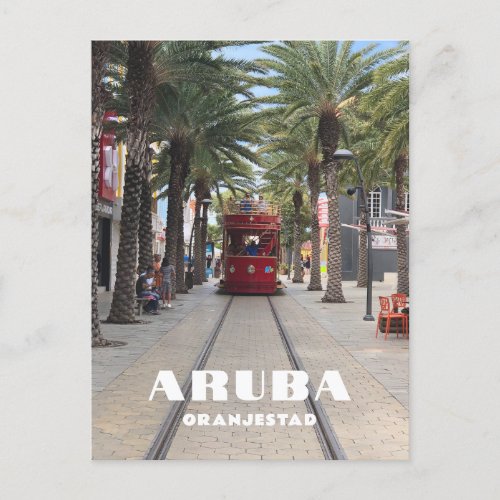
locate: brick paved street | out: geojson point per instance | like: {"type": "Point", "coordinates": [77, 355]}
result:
{"type": "Point", "coordinates": [249, 340]}
{"type": "Point", "coordinates": [386, 360]}
{"type": "Point", "coordinates": [124, 421]}
{"type": "Point", "coordinates": [373, 425]}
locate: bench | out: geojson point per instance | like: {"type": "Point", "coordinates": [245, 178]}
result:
{"type": "Point", "coordinates": [139, 303]}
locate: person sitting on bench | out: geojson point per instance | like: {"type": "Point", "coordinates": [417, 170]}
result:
{"type": "Point", "coordinates": [144, 288]}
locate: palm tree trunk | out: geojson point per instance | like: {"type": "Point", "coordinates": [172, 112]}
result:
{"type": "Point", "coordinates": [100, 52]}
{"type": "Point", "coordinates": [141, 83]}
{"type": "Point", "coordinates": [198, 260]}
{"type": "Point", "coordinates": [180, 286]}
{"type": "Point", "coordinates": [297, 241]}
{"type": "Point", "coordinates": [313, 181]}
{"type": "Point", "coordinates": [204, 233]}
{"type": "Point", "coordinates": [329, 137]}
{"type": "Point", "coordinates": [172, 210]}
{"type": "Point", "coordinates": [402, 246]}
{"type": "Point", "coordinates": [145, 219]}
{"type": "Point", "coordinates": [363, 253]}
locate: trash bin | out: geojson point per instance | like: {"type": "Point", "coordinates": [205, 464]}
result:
{"type": "Point", "coordinates": [188, 279]}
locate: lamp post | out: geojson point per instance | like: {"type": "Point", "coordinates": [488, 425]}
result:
{"type": "Point", "coordinates": [189, 274]}
{"type": "Point", "coordinates": [345, 154]}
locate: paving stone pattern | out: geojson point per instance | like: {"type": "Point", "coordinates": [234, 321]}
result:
{"type": "Point", "coordinates": [374, 424]}
{"type": "Point", "coordinates": [124, 421]}
{"type": "Point", "coordinates": [108, 363]}
{"type": "Point", "coordinates": [249, 340]}
{"type": "Point", "coordinates": [386, 360]}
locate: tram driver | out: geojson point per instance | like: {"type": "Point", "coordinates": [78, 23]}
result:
{"type": "Point", "coordinates": [252, 249]}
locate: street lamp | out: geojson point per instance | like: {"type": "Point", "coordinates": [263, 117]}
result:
{"type": "Point", "coordinates": [345, 154]}
{"type": "Point", "coordinates": [188, 279]}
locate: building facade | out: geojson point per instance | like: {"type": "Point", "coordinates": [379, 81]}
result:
{"type": "Point", "coordinates": [383, 242]}
{"type": "Point", "coordinates": [109, 207]}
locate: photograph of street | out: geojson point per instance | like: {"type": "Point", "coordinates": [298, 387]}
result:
{"type": "Point", "coordinates": [250, 250]}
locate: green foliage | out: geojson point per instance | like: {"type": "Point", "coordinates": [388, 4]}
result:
{"type": "Point", "coordinates": [215, 234]}
{"type": "Point", "coordinates": [287, 223]}
{"type": "Point", "coordinates": [387, 106]}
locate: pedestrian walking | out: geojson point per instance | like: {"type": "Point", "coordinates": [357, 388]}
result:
{"type": "Point", "coordinates": [167, 271]}
{"type": "Point", "coordinates": [307, 264]}
{"type": "Point", "coordinates": [157, 267]}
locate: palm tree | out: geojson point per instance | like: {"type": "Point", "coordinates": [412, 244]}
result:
{"type": "Point", "coordinates": [315, 80]}
{"type": "Point", "coordinates": [100, 55]}
{"type": "Point", "coordinates": [145, 234]}
{"type": "Point", "coordinates": [189, 119]}
{"type": "Point", "coordinates": [141, 83]}
{"type": "Point", "coordinates": [149, 64]}
{"type": "Point", "coordinates": [285, 178]}
{"type": "Point", "coordinates": [365, 140]}
{"type": "Point", "coordinates": [301, 147]}
{"type": "Point", "coordinates": [388, 103]}
{"type": "Point", "coordinates": [211, 173]}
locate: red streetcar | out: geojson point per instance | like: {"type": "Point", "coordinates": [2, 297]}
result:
{"type": "Point", "coordinates": [250, 247]}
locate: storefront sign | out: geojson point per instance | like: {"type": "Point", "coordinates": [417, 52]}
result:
{"type": "Point", "coordinates": [104, 208]}
{"type": "Point", "coordinates": [383, 242]}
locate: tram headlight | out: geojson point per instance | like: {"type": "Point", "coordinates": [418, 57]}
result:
{"type": "Point", "coordinates": [250, 269]}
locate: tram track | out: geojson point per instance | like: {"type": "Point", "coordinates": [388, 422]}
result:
{"type": "Point", "coordinates": [163, 440]}
{"type": "Point", "coordinates": [327, 438]}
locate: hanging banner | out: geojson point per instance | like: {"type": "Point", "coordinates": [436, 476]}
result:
{"type": "Point", "coordinates": [323, 212]}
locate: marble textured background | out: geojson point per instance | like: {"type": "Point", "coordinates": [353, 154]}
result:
{"type": "Point", "coordinates": [45, 251]}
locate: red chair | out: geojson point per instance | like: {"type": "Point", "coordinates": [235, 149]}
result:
{"type": "Point", "coordinates": [388, 314]}
{"type": "Point", "coordinates": [399, 301]}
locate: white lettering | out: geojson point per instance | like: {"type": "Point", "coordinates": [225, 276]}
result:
{"type": "Point", "coordinates": [169, 386]}
{"type": "Point", "coordinates": [332, 381]}
{"type": "Point", "coordinates": [281, 385]}
{"type": "Point", "coordinates": [244, 385]}
{"type": "Point", "coordinates": [188, 419]}
{"type": "Point", "coordinates": [309, 419]}
{"type": "Point", "coordinates": [200, 385]}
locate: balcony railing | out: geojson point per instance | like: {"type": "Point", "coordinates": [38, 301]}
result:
{"type": "Point", "coordinates": [377, 222]}
{"type": "Point", "coordinates": [251, 207]}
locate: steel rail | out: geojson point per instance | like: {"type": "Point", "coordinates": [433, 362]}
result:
{"type": "Point", "coordinates": [163, 439]}
{"type": "Point", "coordinates": [326, 436]}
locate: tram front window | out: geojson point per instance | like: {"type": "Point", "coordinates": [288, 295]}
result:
{"type": "Point", "coordinates": [252, 249]}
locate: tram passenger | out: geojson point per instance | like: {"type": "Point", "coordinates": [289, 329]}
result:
{"type": "Point", "coordinates": [252, 249]}
{"type": "Point", "coordinates": [262, 205]}
{"type": "Point", "coordinates": [231, 249]}
{"type": "Point", "coordinates": [240, 249]}
{"type": "Point", "coordinates": [231, 205]}
{"type": "Point", "coordinates": [246, 204]}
